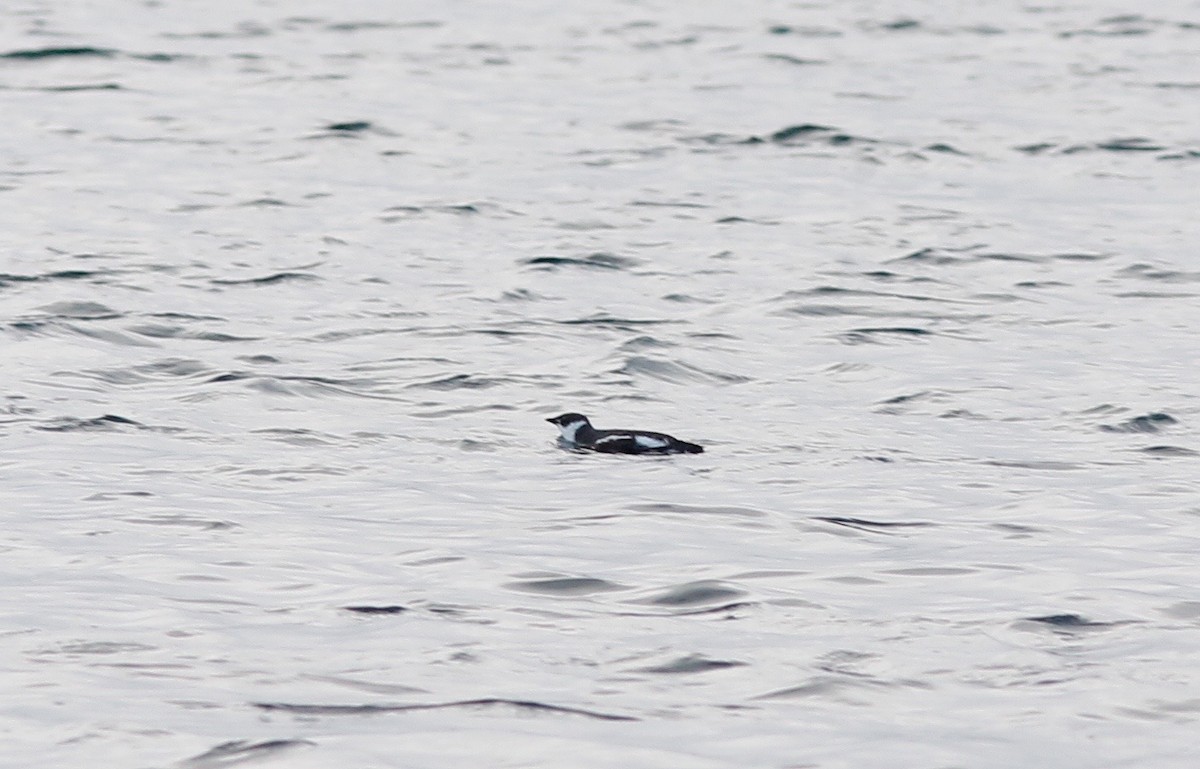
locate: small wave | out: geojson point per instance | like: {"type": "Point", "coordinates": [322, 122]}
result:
{"type": "Point", "coordinates": [85, 52]}
{"type": "Point", "coordinates": [240, 751]}
{"type": "Point", "coordinates": [55, 326]}
{"type": "Point", "coordinates": [971, 254]}
{"type": "Point", "coordinates": [266, 280]}
{"type": "Point", "coordinates": [880, 527]}
{"type": "Point", "coordinates": [1147, 423]}
{"type": "Point", "coordinates": [520, 295]}
{"type": "Point", "coordinates": [692, 663]}
{"type": "Point", "coordinates": [936, 396]}
{"type": "Point", "coordinates": [945, 149]}
{"type": "Point", "coordinates": [1183, 610]}
{"type": "Point", "coordinates": [389, 609]}
{"type": "Point", "coordinates": [106, 496]}
{"type": "Point", "coordinates": [1155, 295]}
{"type": "Point", "coordinates": [882, 335]}
{"type": "Point", "coordinates": [796, 60]}
{"type": "Point", "coordinates": [107, 422]}
{"type": "Point", "coordinates": [932, 571]}
{"type": "Point", "coordinates": [241, 30]}
{"type": "Point", "coordinates": [608, 320]}
{"type": "Point", "coordinates": [300, 385]}
{"type": "Point", "coordinates": [878, 313]}
{"type": "Point", "coordinates": [231, 376]}
{"type": "Point", "coordinates": [644, 342]}
{"type": "Point", "coordinates": [675, 372]}
{"type": "Point", "coordinates": [823, 686]}
{"type": "Point", "coordinates": [6, 278]}
{"type": "Point", "coordinates": [692, 594]}
{"type": "Point", "coordinates": [404, 212]}
{"type": "Point", "coordinates": [100, 647]}
{"type": "Point", "coordinates": [1170, 451]}
{"type": "Point", "coordinates": [599, 260]}
{"type": "Point", "coordinates": [488, 703]}
{"type": "Point", "coordinates": [183, 316]}
{"type": "Point", "coordinates": [174, 367]}
{"type": "Point", "coordinates": [673, 507]}
{"type": "Point", "coordinates": [804, 31]}
{"type": "Point", "coordinates": [460, 410]}
{"type": "Point", "coordinates": [462, 208]}
{"type": "Point", "coordinates": [107, 335]}
{"type": "Point", "coordinates": [351, 126]}
{"type": "Point", "coordinates": [811, 133]}
{"type": "Point", "coordinates": [814, 136]}
{"type": "Point", "coordinates": [297, 436]}
{"type": "Point", "coordinates": [1150, 272]}
{"type": "Point", "coordinates": [903, 24]}
{"type": "Point", "coordinates": [801, 135]}
{"type": "Point", "coordinates": [187, 521]}
{"type": "Point", "coordinates": [159, 331]}
{"type": "Point", "coordinates": [460, 382]}
{"type": "Point", "coordinates": [360, 26]}
{"type": "Point", "coordinates": [1035, 464]}
{"type": "Point", "coordinates": [836, 292]}
{"type": "Point", "coordinates": [1126, 25]}
{"type": "Point", "coordinates": [80, 311]}
{"type": "Point", "coordinates": [747, 220]}
{"type": "Point", "coordinates": [720, 139]}
{"type": "Point", "coordinates": [64, 52]}
{"type": "Point", "coordinates": [565, 586]}
{"type": "Point", "coordinates": [1135, 145]}
{"type": "Point", "coordinates": [1072, 622]}
{"type": "Point", "coordinates": [81, 87]}
{"type": "Point", "coordinates": [667, 204]}
{"type": "Point", "coordinates": [960, 414]}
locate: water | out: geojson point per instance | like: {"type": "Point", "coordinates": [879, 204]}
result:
{"type": "Point", "coordinates": [288, 290]}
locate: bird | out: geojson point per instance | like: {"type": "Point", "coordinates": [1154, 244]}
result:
{"type": "Point", "coordinates": [578, 433]}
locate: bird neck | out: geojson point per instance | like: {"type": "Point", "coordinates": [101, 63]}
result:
{"type": "Point", "coordinates": [577, 432]}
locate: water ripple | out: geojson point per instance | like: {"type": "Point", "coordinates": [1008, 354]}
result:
{"type": "Point", "coordinates": [286, 276]}
{"type": "Point", "coordinates": [1146, 423]}
{"type": "Point", "coordinates": [485, 704]}
{"type": "Point", "coordinates": [693, 594]}
{"type": "Point", "coordinates": [597, 260]}
{"type": "Point", "coordinates": [241, 751]}
{"type": "Point", "coordinates": [692, 663]}
{"type": "Point", "coordinates": [674, 371]}
{"type": "Point", "coordinates": [565, 586]}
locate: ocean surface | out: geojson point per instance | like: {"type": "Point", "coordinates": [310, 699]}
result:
{"type": "Point", "coordinates": [288, 289]}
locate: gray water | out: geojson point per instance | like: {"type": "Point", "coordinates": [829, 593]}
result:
{"type": "Point", "coordinates": [289, 288]}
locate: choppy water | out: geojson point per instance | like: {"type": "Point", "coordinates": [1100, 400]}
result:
{"type": "Point", "coordinates": [288, 288]}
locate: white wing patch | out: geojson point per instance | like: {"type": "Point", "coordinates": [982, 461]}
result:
{"type": "Point", "coordinates": [645, 442]}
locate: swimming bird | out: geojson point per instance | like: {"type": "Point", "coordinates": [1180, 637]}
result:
{"type": "Point", "coordinates": [578, 433]}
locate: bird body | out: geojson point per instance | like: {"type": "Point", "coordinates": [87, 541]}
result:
{"type": "Point", "coordinates": [577, 432]}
